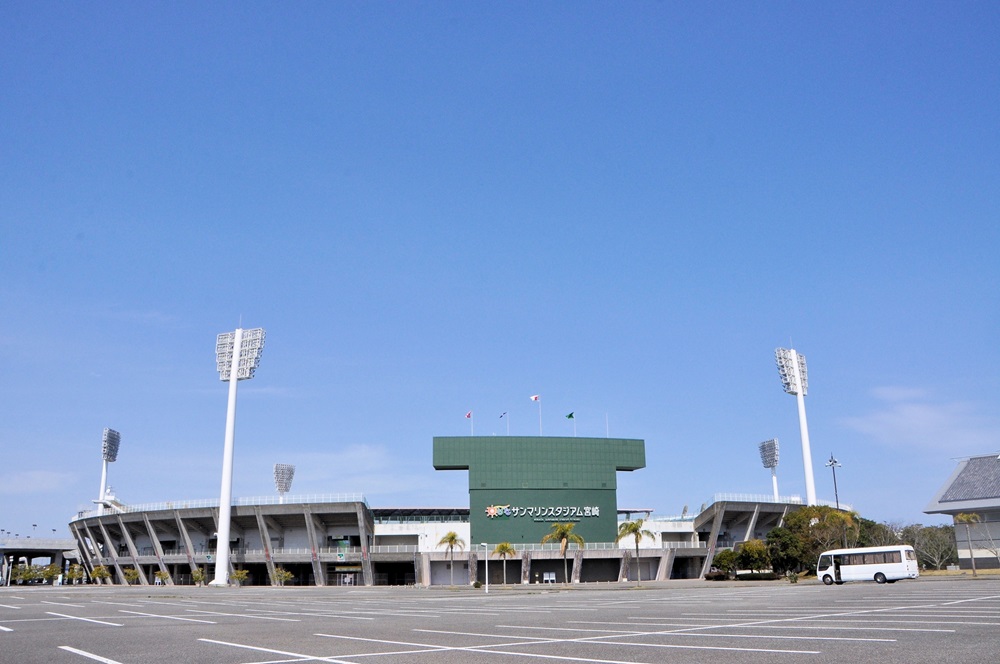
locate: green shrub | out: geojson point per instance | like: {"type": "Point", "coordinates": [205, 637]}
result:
{"type": "Point", "coordinates": [758, 576]}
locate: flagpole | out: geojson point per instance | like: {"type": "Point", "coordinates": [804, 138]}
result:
{"type": "Point", "coordinates": [472, 424]}
{"type": "Point", "coordinates": [538, 398]}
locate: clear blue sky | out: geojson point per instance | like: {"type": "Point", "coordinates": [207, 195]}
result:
{"type": "Point", "coordinates": [437, 207]}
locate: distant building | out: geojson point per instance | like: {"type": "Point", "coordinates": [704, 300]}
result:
{"type": "Point", "coordinates": [973, 488]}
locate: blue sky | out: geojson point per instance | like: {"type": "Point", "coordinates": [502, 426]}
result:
{"type": "Point", "coordinates": [437, 207]}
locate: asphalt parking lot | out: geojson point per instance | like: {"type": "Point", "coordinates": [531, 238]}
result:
{"type": "Point", "coordinates": [926, 620]}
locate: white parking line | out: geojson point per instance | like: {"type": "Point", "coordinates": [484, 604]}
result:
{"type": "Point", "coordinates": [5, 629]}
{"type": "Point", "coordinates": [88, 655]}
{"type": "Point", "coordinates": [157, 615]}
{"type": "Point", "coordinates": [116, 603]}
{"type": "Point", "coordinates": [244, 615]}
{"type": "Point", "coordinates": [712, 635]}
{"type": "Point", "coordinates": [99, 622]}
{"type": "Point", "coordinates": [8, 606]}
{"type": "Point", "coordinates": [487, 648]}
{"type": "Point", "coordinates": [75, 606]}
{"type": "Point", "coordinates": [277, 652]}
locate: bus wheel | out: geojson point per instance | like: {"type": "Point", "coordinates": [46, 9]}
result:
{"type": "Point", "coordinates": [828, 580]}
{"type": "Point", "coordinates": [880, 578]}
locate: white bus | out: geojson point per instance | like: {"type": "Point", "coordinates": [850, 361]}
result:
{"type": "Point", "coordinates": [881, 564]}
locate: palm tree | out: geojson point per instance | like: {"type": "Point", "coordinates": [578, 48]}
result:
{"type": "Point", "coordinates": [452, 541]}
{"type": "Point", "coordinates": [969, 518]}
{"type": "Point", "coordinates": [634, 529]}
{"type": "Point", "coordinates": [563, 533]}
{"type": "Point", "coordinates": [505, 550]}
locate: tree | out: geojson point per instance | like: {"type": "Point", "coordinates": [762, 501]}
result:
{"type": "Point", "coordinates": [25, 573]}
{"type": "Point", "coordinates": [131, 575]}
{"type": "Point", "coordinates": [239, 576]}
{"type": "Point", "coordinates": [563, 533]}
{"type": "Point", "coordinates": [452, 541]}
{"type": "Point", "coordinates": [934, 545]}
{"type": "Point", "coordinates": [50, 573]}
{"type": "Point", "coordinates": [75, 572]}
{"type": "Point", "coordinates": [725, 561]}
{"type": "Point", "coordinates": [821, 528]}
{"type": "Point", "coordinates": [162, 576]}
{"type": "Point", "coordinates": [198, 576]}
{"type": "Point", "coordinates": [753, 556]}
{"type": "Point", "coordinates": [101, 573]}
{"type": "Point", "coordinates": [967, 519]}
{"type": "Point", "coordinates": [878, 534]}
{"type": "Point", "coordinates": [505, 550]}
{"type": "Point", "coordinates": [282, 575]}
{"type": "Point", "coordinates": [786, 550]}
{"type": "Point", "coordinates": [990, 544]}
{"type": "Point", "coordinates": [634, 530]}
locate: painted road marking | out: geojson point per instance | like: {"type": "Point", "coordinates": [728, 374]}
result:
{"type": "Point", "coordinates": [157, 615]}
{"type": "Point", "coordinates": [89, 655]}
{"type": "Point", "coordinates": [99, 622]}
{"type": "Point", "coordinates": [278, 652]}
{"type": "Point", "coordinates": [244, 615]}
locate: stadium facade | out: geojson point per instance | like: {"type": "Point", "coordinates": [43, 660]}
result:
{"type": "Point", "coordinates": [518, 487]}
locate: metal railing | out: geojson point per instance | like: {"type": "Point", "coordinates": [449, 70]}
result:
{"type": "Point", "coordinates": [237, 502]}
{"type": "Point", "coordinates": [768, 498]}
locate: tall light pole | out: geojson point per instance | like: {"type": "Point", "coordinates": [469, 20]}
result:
{"type": "Point", "coordinates": [769, 457]}
{"type": "Point", "coordinates": [237, 355]}
{"type": "Point", "coordinates": [795, 380]}
{"type": "Point", "coordinates": [110, 442]}
{"type": "Point", "coordinates": [486, 553]}
{"type": "Point", "coordinates": [833, 465]}
{"type": "Point", "coordinates": [283, 474]}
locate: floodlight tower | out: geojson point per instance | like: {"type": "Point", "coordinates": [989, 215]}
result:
{"type": "Point", "coordinates": [110, 442]}
{"type": "Point", "coordinates": [283, 474]}
{"type": "Point", "coordinates": [237, 355]}
{"type": "Point", "coordinates": [795, 380]}
{"type": "Point", "coordinates": [769, 457]}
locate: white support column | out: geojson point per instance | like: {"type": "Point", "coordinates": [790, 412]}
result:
{"type": "Point", "coordinates": [226, 495]}
{"type": "Point", "coordinates": [807, 460]}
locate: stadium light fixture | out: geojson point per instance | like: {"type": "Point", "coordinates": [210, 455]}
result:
{"type": "Point", "coordinates": [795, 381]}
{"type": "Point", "coordinates": [283, 474]}
{"type": "Point", "coordinates": [833, 465]}
{"type": "Point", "coordinates": [110, 442]}
{"type": "Point", "coordinates": [769, 457]}
{"type": "Point", "coordinates": [237, 355]}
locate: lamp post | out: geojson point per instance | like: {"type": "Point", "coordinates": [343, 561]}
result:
{"type": "Point", "coordinates": [283, 474]}
{"type": "Point", "coordinates": [110, 442]}
{"type": "Point", "coordinates": [769, 457]}
{"type": "Point", "coordinates": [795, 381]}
{"type": "Point", "coordinates": [237, 355]}
{"type": "Point", "coordinates": [486, 554]}
{"type": "Point", "coordinates": [833, 465]}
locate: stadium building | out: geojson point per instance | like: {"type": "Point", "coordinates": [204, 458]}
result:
{"type": "Point", "coordinates": [518, 488]}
